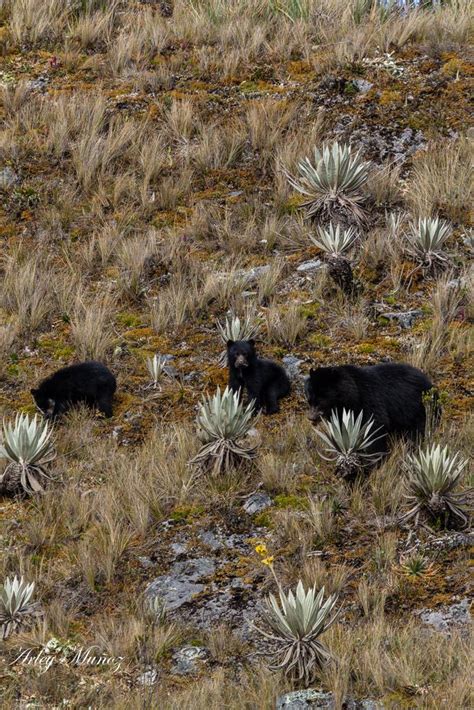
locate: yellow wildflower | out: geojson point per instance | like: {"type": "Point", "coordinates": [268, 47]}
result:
{"type": "Point", "coordinates": [268, 560]}
{"type": "Point", "coordinates": [261, 549]}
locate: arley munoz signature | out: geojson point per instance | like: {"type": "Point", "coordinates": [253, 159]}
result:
{"type": "Point", "coordinates": [81, 657]}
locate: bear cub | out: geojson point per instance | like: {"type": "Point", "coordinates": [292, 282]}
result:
{"type": "Point", "coordinates": [90, 383]}
{"type": "Point", "coordinates": [390, 392]}
{"type": "Point", "coordinates": [265, 381]}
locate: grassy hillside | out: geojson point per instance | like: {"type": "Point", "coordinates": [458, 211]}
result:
{"type": "Point", "coordinates": [145, 152]}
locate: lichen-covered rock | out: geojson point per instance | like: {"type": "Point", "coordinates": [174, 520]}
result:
{"type": "Point", "coordinates": [182, 583]}
{"type": "Point", "coordinates": [256, 503]}
{"type": "Point", "coordinates": [446, 619]}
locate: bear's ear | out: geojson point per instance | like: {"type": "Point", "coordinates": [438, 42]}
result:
{"type": "Point", "coordinates": [251, 342]}
{"type": "Point", "coordinates": [230, 343]}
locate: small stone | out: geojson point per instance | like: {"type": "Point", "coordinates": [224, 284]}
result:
{"type": "Point", "coordinates": [362, 85]}
{"type": "Point", "coordinates": [406, 318]}
{"type": "Point", "coordinates": [188, 659]}
{"type": "Point", "coordinates": [7, 178]}
{"type": "Point", "coordinates": [312, 265]}
{"type": "Point", "coordinates": [292, 366]}
{"type": "Point", "coordinates": [148, 678]}
{"type": "Point", "coordinates": [256, 503]}
{"type": "Point", "coordinates": [306, 700]}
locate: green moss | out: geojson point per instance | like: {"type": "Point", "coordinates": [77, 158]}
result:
{"type": "Point", "coordinates": [309, 310]}
{"type": "Point", "coordinates": [263, 520]}
{"type": "Point", "coordinates": [185, 513]}
{"type": "Point", "coordinates": [366, 348]}
{"type": "Point", "coordinates": [320, 340]}
{"type": "Point", "coordinates": [291, 501]}
{"type": "Point", "coordinates": [381, 320]}
{"type": "Point", "coordinates": [129, 320]}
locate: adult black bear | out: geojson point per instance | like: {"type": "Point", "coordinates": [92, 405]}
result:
{"type": "Point", "coordinates": [265, 381]}
{"type": "Point", "coordinates": [88, 382]}
{"type": "Point", "coordinates": [392, 393]}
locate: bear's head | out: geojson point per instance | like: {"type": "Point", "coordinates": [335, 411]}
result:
{"type": "Point", "coordinates": [241, 353]}
{"type": "Point", "coordinates": [322, 390]}
{"type": "Point", "coordinates": [44, 403]}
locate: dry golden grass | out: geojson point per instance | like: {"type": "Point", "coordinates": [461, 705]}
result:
{"type": "Point", "coordinates": [144, 179]}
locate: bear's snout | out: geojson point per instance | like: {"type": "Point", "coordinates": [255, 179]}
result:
{"type": "Point", "coordinates": [241, 361]}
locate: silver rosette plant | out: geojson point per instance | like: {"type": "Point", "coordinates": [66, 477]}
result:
{"type": "Point", "coordinates": [333, 182]}
{"type": "Point", "coordinates": [348, 442]}
{"type": "Point", "coordinates": [223, 422]}
{"type": "Point", "coordinates": [434, 473]}
{"type": "Point", "coordinates": [27, 445]}
{"type": "Point", "coordinates": [16, 605]}
{"type": "Point", "coordinates": [294, 624]}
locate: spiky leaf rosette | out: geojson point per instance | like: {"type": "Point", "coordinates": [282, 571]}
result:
{"type": "Point", "coordinates": [235, 328]}
{"type": "Point", "coordinates": [427, 238]}
{"type": "Point", "coordinates": [155, 366]}
{"type": "Point", "coordinates": [348, 440]}
{"type": "Point", "coordinates": [222, 423]}
{"type": "Point", "coordinates": [333, 182]}
{"type": "Point", "coordinates": [16, 607]}
{"type": "Point", "coordinates": [28, 447]}
{"type": "Point", "coordinates": [294, 626]}
{"type": "Point", "coordinates": [333, 240]}
{"type": "Point", "coordinates": [433, 475]}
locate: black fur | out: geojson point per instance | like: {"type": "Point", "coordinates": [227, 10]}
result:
{"type": "Point", "coordinates": [392, 393]}
{"type": "Point", "coordinates": [88, 382]}
{"type": "Point", "coordinates": [265, 381]}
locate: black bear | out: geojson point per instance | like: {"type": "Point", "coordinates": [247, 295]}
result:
{"type": "Point", "coordinates": [392, 393]}
{"type": "Point", "coordinates": [89, 382]}
{"type": "Point", "coordinates": [265, 381]}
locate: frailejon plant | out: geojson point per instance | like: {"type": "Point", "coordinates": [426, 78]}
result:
{"type": "Point", "coordinates": [334, 241]}
{"type": "Point", "coordinates": [28, 447]}
{"type": "Point", "coordinates": [347, 442]}
{"type": "Point", "coordinates": [222, 423]}
{"type": "Point", "coordinates": [333, 182]}
{"type": "Point", "coordinates": [156, 366]}
{"type": "Point", "coordinates": [426, 240]}
{"type": "Point", "coordinates": [294, 624]}
{"type": "Point", "coordinates": [416, 566]}
{"type": "Point", "coordinates": [16, 605]}
{"type": "Point", "coordinates": [235, 328]}
{"type": "Point", "coordinates": [434, 473]}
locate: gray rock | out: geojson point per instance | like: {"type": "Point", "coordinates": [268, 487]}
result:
{"type": "Point", "coordinates": [182, 583]}
{"type": "Point", "coordinates": [444, 620]}
{"type": "Point", "coordinates": [179, 548]}
{"type": "Point", "coordinates": [7, 178]}
{"type": "Point", "coordinates": [314, 699]}
{"type": "Point", "coordinates": [292, 366]}
{"type": "Point", "coordinates": [312, 265]}
{"type": "Point", "coordinates": [145, 562]}
{"type": "Point", "coordinates": [209, 539]}
{"type": "Point", "coordinates": [362, 85]}
{"type": "Point", "coordinates": [306, 700]}
{"type": "Point", "coordinates": [188, 660]}
{"type": "Point", "coordinates": [148, 678]}
{"type": "Point", "coordinates": [256, 503]}
{"type": "Point", "coordinates": [252, 275]}
{"type": "Point", "coordinates": [406, 318]}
